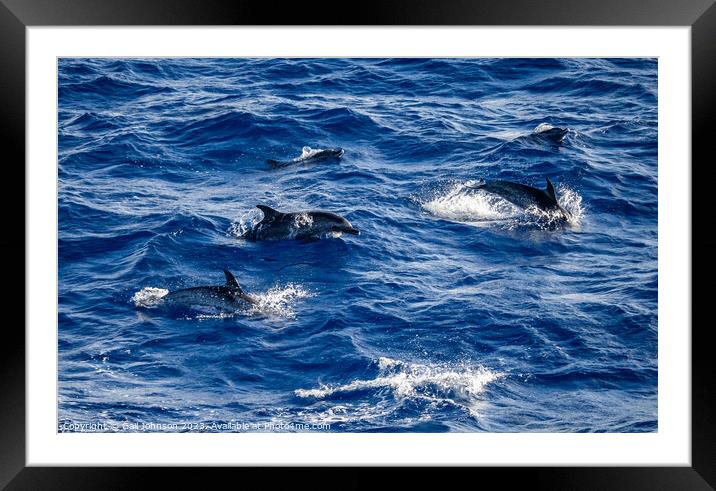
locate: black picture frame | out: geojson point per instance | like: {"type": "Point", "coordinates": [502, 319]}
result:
{"type": "Point", "coordinates": [16, 15]}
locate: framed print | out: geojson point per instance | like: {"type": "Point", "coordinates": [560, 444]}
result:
{"type": "Point", "coordinates": [445, 237]}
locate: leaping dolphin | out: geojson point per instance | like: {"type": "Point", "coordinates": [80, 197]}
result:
{"type": "Point", "coordinates": [228, 297]}
{"type": "Point", "coordinates": [302, 225]}
{"type": "Point", "coordinates": [310, 155]}
{"type": "Point", "coordinates": [525, 196]}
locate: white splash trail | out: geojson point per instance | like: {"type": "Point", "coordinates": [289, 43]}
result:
{"type": "Point", "coordinates": [406, 379]}
{"type": "Point", "coordinates": [461, 204]}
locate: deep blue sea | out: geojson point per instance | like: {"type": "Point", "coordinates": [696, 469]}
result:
{"type": "Point", "coordinates": [453, 310]}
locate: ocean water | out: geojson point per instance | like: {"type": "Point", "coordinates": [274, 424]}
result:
{"type": "Point", "coordinates": [453, 310]}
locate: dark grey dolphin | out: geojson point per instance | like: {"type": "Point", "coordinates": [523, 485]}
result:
{"type": "Point", "coordinates": [302, 225]}
{"type": "Point", "coordinates": [525, 196]}
{"type": "Point", "coordinates": [310, 155]}
{"type": "Point", "coordinates": [226, 297]}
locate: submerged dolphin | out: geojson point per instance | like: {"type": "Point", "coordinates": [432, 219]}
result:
{"type": "Point", "coordinates": [525, 196]}
{"type": "Point", "coordinates": [226, 297]}
{"type": "Point", "coordinates": [544, 138]}
{"type": "Point", "coordinates": [311, 155]}
{"type": "Point", "coordinates": [302, 225]}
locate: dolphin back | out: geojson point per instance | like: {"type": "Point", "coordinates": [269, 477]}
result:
{"type": "Point", "coordinates": [521, 195]}
{"type": "Point", "coordinates": [309, 154]}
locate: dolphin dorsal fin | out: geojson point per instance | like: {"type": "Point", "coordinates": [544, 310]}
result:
{"type": "Point", "coordinates": [269, 213]}
{"type": "Point", "coordinates": [231, 281]}
{"type": "Point", "coordinates": [550, 190]}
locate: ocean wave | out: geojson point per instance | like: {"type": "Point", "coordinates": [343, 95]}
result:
{"type": "Point", "coordinates": [223, 127]}
{"type": "Point", "coordinates": [106, 85]}
{"type": "Point", "coordinates": [586, 86]}
{"type": "Point", "coordinates": [91, 122]}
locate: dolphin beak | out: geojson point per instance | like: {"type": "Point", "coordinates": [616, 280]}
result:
{"type": "Point", "coordinates": [352, 231]}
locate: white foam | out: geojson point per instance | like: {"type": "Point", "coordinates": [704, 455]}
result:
{"type": "Point", "coordinates": [460, 203]}
{"type": "Point", "coordinates": [385, 363]}
{"type": "Point", "coordinates": [149, 296]}
{"type": "Point", "coordinates": [278, 301]}
{"type": "Point", "coordinates": [571, 201]}
{"type": "Point", "coordinates": [307, 152]}
{"type": "Point", "coordinates": [458, 384]}
{"type": "Point", "coordinates": [245, 223]}
{"type": "Point", "coordinates": [348, 414]}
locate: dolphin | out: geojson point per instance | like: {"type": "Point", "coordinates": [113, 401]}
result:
{"type": "Point", "coordinates": [525, 196]}
{"type": "Point", "coordinates": [546, 131]}
{"type": "Point", "coordinates": [544, 138]}
{"type": "Point", "coordinates": [228, 297]}
{"type": "Point", "coordinates": [302, 225]}
{"type": "Point", "coordinates": [310, 155]}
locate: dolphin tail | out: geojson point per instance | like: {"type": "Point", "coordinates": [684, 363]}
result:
{"type": "Point", "coordinates": [231, 281]}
